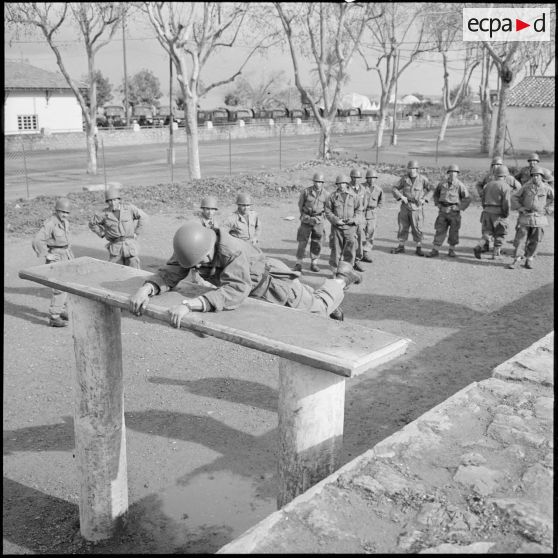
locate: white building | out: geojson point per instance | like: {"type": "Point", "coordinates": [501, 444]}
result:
{"type": "Point", "coordinates": [37, 101]}
{"type": "Point", "coordinates": [530, 114]}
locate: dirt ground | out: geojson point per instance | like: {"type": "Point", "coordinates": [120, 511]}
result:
{"type": "Point", "coordinates": [201, 413]}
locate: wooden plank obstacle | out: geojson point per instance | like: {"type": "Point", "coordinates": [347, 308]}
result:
{"type": "Point", "coordinates": [317, 355]}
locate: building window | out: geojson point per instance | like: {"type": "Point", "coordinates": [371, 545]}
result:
{"type": "Point", "coordinates": [27, 122]}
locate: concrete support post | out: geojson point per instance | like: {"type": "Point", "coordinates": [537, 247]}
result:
{"type": "Point", "coordinates": [100, 434]}
{"type": "Point", "coordinates": [311, 411]}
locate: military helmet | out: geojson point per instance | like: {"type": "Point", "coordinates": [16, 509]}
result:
{"type": "Point", "coordinates": [192, 242]}
{"type": "Point", "coordinates": [318, 177]}
{"type": "Point", "coordinates": [112, 192]}
{"type": "Point", "coordinates": [502, 171]}
{"type": "Point", "coordinates": [453, 168]}
{"type": "Point", "coordinates": [413, 164]}
{"type": "Point", "coordinates": [537, 170]}
{"type": "Point", "coordinates": [534, 157]}
{"type": "Point", "coordinates": [342, 178]}
{"type": "Point", "coordinates": [63, 204]}
{"type": "Point", "coordinates": [355, 173]}
{"type": "Point", "coordinates": [243, 199]}
{"type": "Point", "coordinates": [497, 161]}
{"type": "Point", "coordinates": [371, 173]}
{"type": "Point", "coordinates": [209, 202]}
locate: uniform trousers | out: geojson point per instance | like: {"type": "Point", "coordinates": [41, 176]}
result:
{"type": "Point", "coordinates": [410, 219]}
{"type": "Point", "coordinates": [370, 232]}
{"type": "Point", "coordinates": [124, 252]}
{"type": "Point", "coordinates": [527, 240]}
{"type": "Point", "coordinates": [342, 244]}
{"type": "Point", "coordinates": [447, 220]}
{"type": "Point", "coordinates": [496, 225]}
{"type": "Point", "coordinates": [59, 300]}
{"type": "Point", "coordinates": [315, 234]}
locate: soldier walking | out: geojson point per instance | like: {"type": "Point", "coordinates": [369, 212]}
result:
{"type": "Point", "coordinates": [340, 210]}
{"type": "Point", "coordinates": [244, 223]}
{"type": "Point", "coordinates": [120, 223]}
{"type": "Point", "coordinates": [311, 204]}
{"type": "Point", "coordinates": [373, 201]}
{"type": "Point", "coordinates": [359, 191]}
{"type": "Point", "coordinates": [496, 201]}
{"type": "Point", "coordinates": [53, 243]}
{"type": "Point", "coordinates": [534, 201]}
{"type": "Point", "coordinates": [451, 197]}
{"type": "Point", "coordinates": [411, 191]}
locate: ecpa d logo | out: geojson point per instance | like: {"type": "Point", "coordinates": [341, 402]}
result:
{"type": "Point", "coordinates": [506, 24]}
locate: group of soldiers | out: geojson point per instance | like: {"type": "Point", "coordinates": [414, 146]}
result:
{"type": "Point", "coordinates": [227, 256]}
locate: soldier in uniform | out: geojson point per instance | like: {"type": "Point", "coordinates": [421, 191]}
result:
{"type": "Point", "coordinates": [238, 270]}
{"type": "Point", "coordinates": [208, 208]}
{"type": "Point", "coordinates": [411, 191]}
{"type": "Point", "coordinates": [359, 191]}
{"type": "Point", "coordinates": [120, 223]}
{"type": "Point", "coordinates": [497, 163]}
{"type": "Point", "coordinates": [373, 201]}
{"type": "Point", "coordinates": [496, 199]}
{"type": "Point", "coordinates": [53, 243]}
{"type": "Point", "coordinates": [341, 209]}
{"type": "Point", "coordinates": [524, 175]}
{"type": "Point", "coordinates": [451, 197]}
{"type": "Point", "coordinates": [244, 223]}
{"type": "Point", "coordinates": [534, 201]}
{"type": "Point", "coordinates": [311, 204]}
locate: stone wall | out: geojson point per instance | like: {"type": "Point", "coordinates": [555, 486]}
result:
{"type": "Point", "coordinates": [115, 137]}
{"type": "Point", "coordinates": [473, 475]}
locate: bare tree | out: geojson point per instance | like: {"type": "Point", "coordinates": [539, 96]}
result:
{"type": "Point", "coordinates": [260, 93]}
{"type": "Point", "coordinates": [328, 34]}
{"type": "Point", "coordinates": [487, 108]}
{"type": "Point", "coordinates": [191, 33]}
{"type": "Point", "coordinates": [401, 30]}
{"type": "Point", "coordinates": [540, 56]}
{"type": "Point", "coordinates": [445, 27]}
{"type": "Point", "coordinates": [97, 22]}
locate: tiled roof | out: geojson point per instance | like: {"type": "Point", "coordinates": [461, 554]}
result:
{"type": "Point", "coordinates": [533, 91]}
{"type": "Point", "coordinates": [21, 75]}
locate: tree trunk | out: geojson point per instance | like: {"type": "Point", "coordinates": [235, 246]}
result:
{"type": "Point", "coordinates": [486, 114]}
{"type": "Point", "coordinates": [90, 127]}
{"type": "Point", "coordinates": [381, 128]}
{"type": "Point", "coordinates": [324, 151]}
{"type": "Point", "coordinates": [444, 125]}
{"type": "Point", "coordinates": [191, 127]}
{"type": "Point", "coordinates": [91, 149]}
{"type": "Point", "coordinates": [499, 140]}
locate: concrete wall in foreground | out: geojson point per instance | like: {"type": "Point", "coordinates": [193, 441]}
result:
{"type": "Point", "coordinates": [473, 475]}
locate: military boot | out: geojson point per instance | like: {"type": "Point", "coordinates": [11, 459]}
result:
{"type": "Point", "coordinates": [57, 321]}
{"type": "Point", "coordinates": [345, 272]}
{"type": "Point", "coordinates": [398, 250]}
{"type": "Point", "coordinates": [314, 266]}
{"type": "Point", "coordinates": [497, 253]}
{"type": "Point", "coordinates": [477, 250]}
{"type": "Point", "coordinates": [528, 263]}
{"type": "Point", "coordinates": [366, 258]}
{"type": "Point", "coordinates": [433, 254]}
{"type": "Point", "coordinates": [337, 314]}
{"type": "Point", "coordinates": [64, 315]}
{"type": "Point", "coordinates": [451, 253]}
{"type": "Point", "coordinates": [515, 263]}
{"type": "Point", "coordinates": [358, 266]}
{"type": "Point", "coordinates": [297, 266]}
{"type": "Point", "coordinates": [419, 251]}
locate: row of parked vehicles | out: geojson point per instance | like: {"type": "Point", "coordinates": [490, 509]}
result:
{"type": "Point", "coordinates": [145, 116]}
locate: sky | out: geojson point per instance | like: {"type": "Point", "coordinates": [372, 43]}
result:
{"type": "Point", "coordinates": [144, 52]}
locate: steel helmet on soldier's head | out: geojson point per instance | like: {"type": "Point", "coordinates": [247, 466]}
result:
{"type": "Point", "coordinates": [413, 164]}
{"type": "Point", "coordinates": [502, 171]}
{"type": "Point", "coordinates": [537, 170]}
{"type": "Point", "coordinates": [209, 202]}
{"type": "Point", "coordinates": [243, 199]}
{"type": "Point", "coordinates": [342, 178]}
{"type": "Point", "coordinates": [355, 173]}
{"type": "Point", "coordinates": [534, 157]}
{"type": "Point", "coordinates": [371, 173]}
{"type": "Point", "coordinates": [192, 242]}
{"type": "Point", "coordinates": [453, 168]}
{"type": "Point", "coordinates": [112, 192]}
{"type": "Point", "coordinates": [318, 177]}
{"type": "Point", "coordinates": [63, 204]}
{"type": "Point", "coordinates": [497, 161]}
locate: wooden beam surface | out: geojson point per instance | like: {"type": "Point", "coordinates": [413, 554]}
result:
{"type": "Point", "coordinates": [342, 348]}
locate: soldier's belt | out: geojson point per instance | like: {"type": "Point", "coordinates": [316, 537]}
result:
{"type": "Point", "coordinates": [120, 238]}
{"type": "Point", "coordinates": [59, 247]}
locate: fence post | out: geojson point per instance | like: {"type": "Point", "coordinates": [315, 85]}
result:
{"type": "Point", "coordinates": [230, 152]}
{"type": "Point", "coordinates": [25, 169]}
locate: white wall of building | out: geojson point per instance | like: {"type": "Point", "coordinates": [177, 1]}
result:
{"type": "Point", "coordinates": [60, 113]}
{"type": "Point", "coordinates": [531, 128]}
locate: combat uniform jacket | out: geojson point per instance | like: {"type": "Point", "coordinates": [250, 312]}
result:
{"type": "Point", "coordinates": [373, 200]}
{"type": "Point", "coordinates": [311, 205]}
{"type": "Point", "coordinates": [246, 227]}
{"type": "Point", "coordinates": [53, 236]}
{"type": "Point", "coordinates": [451, 197]}
{"type": "Point", "coordinates": [496, 198]}
{"type": "Point", "coordinates": [126, 225]}
{"type": "Point", "coordinates": [510, 181]}
{"type": "Point", "coordinates": [414, 190]}
{"type": "Point", "coordinates": [524, 175]}
{"type": "Point", "coordinates": [238, 270]}
{"type": "Point", "coordinates": [209, 223]}
{"type": "Point", "coordinates": [341, 209]}
{"type": "Point", "coordinates": [361, 196]}
{"type": "Point", "coordinates": [537, 201]}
